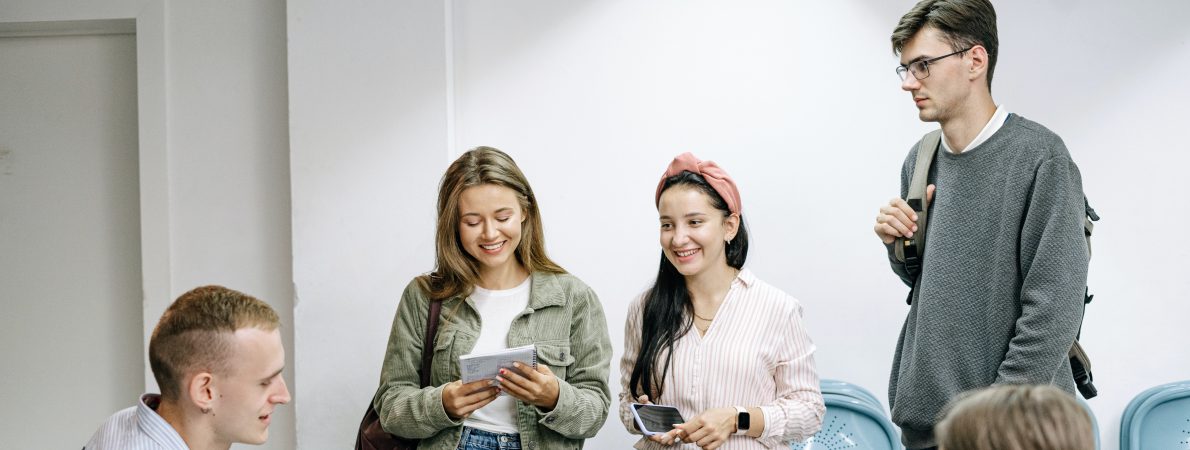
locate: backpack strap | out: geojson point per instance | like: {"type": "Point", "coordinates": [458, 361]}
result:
{"type": "Point", "coordinates": [910, 251]}
{"type": "Point", "coordinates": [1080, 364]}
{"type": "Point", "coordinates": [1089, 223]}
{"type": "Point", "coordinates": [427, 352]}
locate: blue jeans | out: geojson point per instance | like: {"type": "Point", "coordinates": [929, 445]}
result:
{"type": "Point", "coordinates": [476, 439]}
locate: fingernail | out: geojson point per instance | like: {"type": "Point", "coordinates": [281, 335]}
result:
{"type": "Point", "coordinates": [502, 371]}
{"type": "Point", "coordinates": [909, 234]}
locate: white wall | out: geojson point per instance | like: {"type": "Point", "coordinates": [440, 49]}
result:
{"type": "Point", "coordinates": [229, 177]}
{"type": "Point", "coordinates": [367, 112]}
{"type": "Point", "coordinates": [214, 178]}
{"type": "Point", "coordinates": [798, 101]}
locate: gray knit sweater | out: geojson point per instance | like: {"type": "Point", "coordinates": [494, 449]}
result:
{"type": "Point", "coordinates": [1000, 298]}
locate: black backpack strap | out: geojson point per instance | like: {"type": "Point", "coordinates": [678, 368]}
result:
{"type": "Point", "coordinates": [1088, 227]}
{"type": "Point", "coordinates": [1080, 364]}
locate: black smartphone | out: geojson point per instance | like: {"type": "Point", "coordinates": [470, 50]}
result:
{"type": "Point", "coordinates": [655, 419]}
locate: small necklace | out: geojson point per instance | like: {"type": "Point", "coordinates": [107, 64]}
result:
{"type": "Point", "coordinates": [704, 318]}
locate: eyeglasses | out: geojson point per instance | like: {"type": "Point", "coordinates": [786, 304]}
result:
{"type": "Point", "coordinates": [921, 69]}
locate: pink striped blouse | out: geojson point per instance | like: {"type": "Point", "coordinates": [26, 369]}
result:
{"type": "Point", "coordinates": [755, 353]}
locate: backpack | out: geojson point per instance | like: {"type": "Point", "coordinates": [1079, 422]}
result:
{"type": "Point", "coordinates": [910, 251]}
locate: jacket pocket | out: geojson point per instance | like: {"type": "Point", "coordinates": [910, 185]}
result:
{"type": "Point", "coordinates": [442, 367]}
{"type": "Point", "coordinates": [557, 357]}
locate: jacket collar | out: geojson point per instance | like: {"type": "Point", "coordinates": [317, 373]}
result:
{"type": "Point", "coordinates": [546, 290]}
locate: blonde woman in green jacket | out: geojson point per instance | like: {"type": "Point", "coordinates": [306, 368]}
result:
{"type": "Point", "coordinates": [492, 269]}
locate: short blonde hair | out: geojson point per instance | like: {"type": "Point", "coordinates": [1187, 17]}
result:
{"type": "Point", "coordinates": [195, 333]}
{"type": "Point", "coordinates": [1016, 417]}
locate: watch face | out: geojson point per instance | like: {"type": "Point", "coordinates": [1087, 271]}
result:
{"type": "Point", "coordinates": [743, 421]}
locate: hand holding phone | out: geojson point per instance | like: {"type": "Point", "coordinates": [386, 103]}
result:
{"type": "Point", "coordinates": [655, 419]}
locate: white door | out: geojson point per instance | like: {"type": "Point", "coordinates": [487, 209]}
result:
{"type": "Point", "coordinates": [70, 274]}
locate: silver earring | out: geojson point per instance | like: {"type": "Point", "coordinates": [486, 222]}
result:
{"type": "Point", "coordinates": [206, 410]}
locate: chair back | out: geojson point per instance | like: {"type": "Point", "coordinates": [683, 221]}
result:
{"type": "Point", "coordinates": [852, 423]}
{"type": "Point", "coordinates": [1158, 419]}
{"type": "Point", "coordinates": [852, 390]}
{"type": "Point", "coordinates": [1130, 411]}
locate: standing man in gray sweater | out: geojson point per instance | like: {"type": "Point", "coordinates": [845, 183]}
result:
{"type": "Point", "coordinates": [1000, 295]}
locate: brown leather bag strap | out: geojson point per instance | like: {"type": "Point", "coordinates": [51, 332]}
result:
{"type": "Point", "coordinates": [427, 346]}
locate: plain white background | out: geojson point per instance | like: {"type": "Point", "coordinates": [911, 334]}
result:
{"type": "Point", "coordinates": [797, 100]}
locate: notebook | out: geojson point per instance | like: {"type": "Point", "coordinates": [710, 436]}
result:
{"type": "Point", "coordinates": [485, 366]}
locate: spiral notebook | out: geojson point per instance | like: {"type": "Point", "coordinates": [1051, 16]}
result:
{"type": "Point", "coordinates": [485, 366]}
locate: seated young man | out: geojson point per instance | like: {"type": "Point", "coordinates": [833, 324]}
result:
{"type": "Point", "coordinates": [217, 355]}
{"type": "Point", "coordinates": [1016, 417]}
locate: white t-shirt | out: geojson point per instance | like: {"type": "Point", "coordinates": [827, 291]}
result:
{"type": "Point", "coordinates": [497, 310]}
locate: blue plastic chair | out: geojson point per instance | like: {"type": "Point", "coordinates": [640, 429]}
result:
{"type": "Point", "coordinates": [849, 389]}
{"type": "Point", "coordinates": [1130, 411]}
{"type": "Point", "coordinates": [1160, 420]}
{"type": "Point", "coordinates": [852, 423]}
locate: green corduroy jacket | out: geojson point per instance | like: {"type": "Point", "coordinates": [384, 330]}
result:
{"type": "Point", "coordinates": [564, 320]}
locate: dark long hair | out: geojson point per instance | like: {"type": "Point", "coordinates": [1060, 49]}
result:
{"type": "Point", "coordinates": [668, 312]}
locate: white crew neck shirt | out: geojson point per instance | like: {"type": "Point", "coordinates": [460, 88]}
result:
{"type": "Point", "coordinates": [497, 310]}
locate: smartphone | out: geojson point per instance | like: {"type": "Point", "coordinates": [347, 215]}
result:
{"type": "Point", "coordinates": [655, 419]}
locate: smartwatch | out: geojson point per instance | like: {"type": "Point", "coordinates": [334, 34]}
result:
{"type": "Point", "coordinates": [743, 420]}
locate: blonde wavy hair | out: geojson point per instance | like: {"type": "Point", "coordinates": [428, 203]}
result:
{"type": "Point", "coordinates": [457, 272]}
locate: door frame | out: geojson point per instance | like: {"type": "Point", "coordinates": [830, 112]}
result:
{"type": "Point", "coordinates": [146, 19]}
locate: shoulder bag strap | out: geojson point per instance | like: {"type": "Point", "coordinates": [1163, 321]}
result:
{"type": "Point", "coordinates": [427, 347]}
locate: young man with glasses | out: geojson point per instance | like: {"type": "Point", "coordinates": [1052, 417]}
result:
{"type": "Point", "coordinates": [998, 298]}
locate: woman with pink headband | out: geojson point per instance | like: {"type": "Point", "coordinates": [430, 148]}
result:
{"type": "Point", "coordinates": [727, 350]}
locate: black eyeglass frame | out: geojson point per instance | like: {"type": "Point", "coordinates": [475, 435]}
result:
{"type": "Point", "coordinates": [925, 65]}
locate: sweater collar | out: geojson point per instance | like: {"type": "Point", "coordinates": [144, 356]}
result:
{"type": "Point", "coordinates": [994, 124]}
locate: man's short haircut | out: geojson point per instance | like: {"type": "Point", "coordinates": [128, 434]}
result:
{"type": "Point", "coordinates": [963, 23]}
{"type": "Point", "coordinates": [1017, 417]}
{"type": "Point", "coordinates": [195, 334]}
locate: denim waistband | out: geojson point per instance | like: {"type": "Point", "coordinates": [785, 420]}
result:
{"type": "Point", "coordinates": [477, 439]}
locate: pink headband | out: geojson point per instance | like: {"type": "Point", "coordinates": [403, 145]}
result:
{"type": "Point", "coordinates": [715, 176]}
